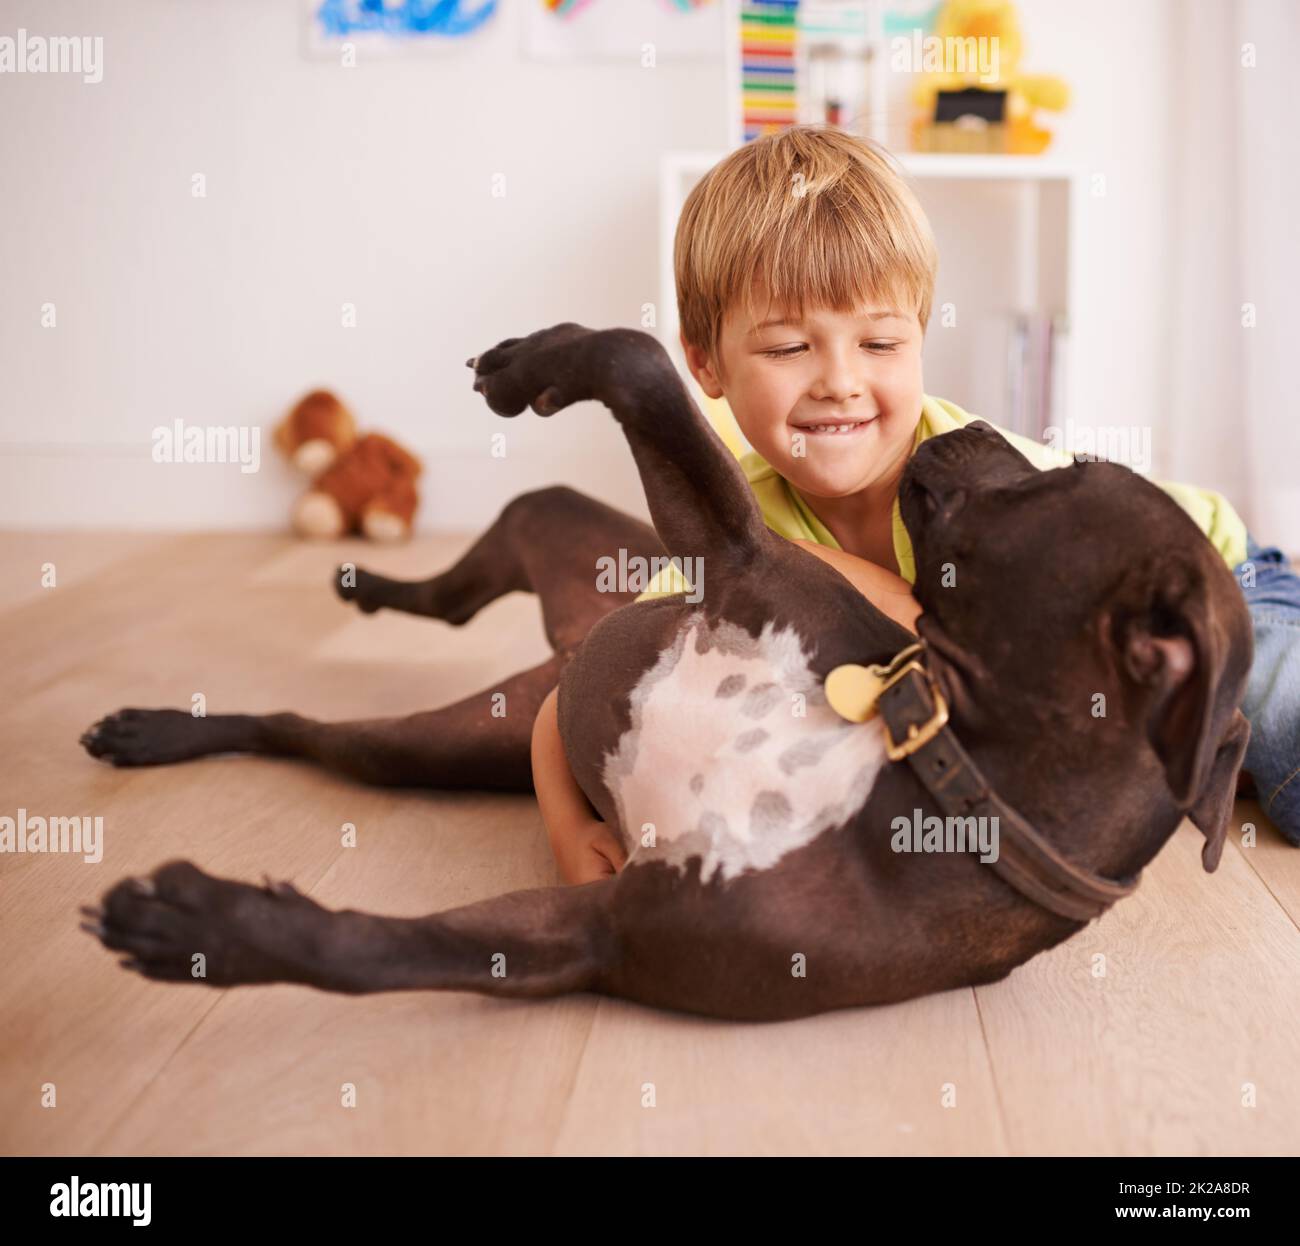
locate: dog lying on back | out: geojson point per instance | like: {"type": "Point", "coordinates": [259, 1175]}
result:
{"type": "Point", "coordinates": [1083, 652]}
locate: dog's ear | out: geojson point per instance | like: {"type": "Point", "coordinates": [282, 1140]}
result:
{"type": "Point", "coordinates": [1180, 654]}
{"type": "Point", "coordinates": [1213, 809]}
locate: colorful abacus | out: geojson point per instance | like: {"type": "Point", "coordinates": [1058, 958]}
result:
{"type": "Point", "coordinates": [767, 66]}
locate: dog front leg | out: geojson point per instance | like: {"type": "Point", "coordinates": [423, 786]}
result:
{"type": "Point", "coordinates": [183, 925]}
{"type": "Point", "coordinates": [699, 499]}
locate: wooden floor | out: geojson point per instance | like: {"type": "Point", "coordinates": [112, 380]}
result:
{"type": "Point", "coordinates": [1200, 1001]}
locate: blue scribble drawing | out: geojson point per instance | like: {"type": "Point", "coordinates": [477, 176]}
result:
{"type": "Point", "coordinates": [402, 19]}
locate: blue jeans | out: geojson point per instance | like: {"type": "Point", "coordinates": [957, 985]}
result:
{"type": "Point", "coordinates": [1272, 701]}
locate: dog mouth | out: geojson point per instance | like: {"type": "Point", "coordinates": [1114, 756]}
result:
{"type": "Point", "coordinates": [916, 504]}
{"type": "Point", "coordinates": [928, 629]}
{"type": "Point", "coordinates": [961, 675]}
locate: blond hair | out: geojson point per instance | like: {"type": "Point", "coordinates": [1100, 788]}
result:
{"type": "Point", "coordinates": [821, 217]}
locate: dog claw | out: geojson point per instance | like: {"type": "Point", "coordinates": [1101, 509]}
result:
{"type": "Point", "coordinates": [93, 928]}
{"type": "Point", "coordinates": [282, 890]}
{"type": "Point", "coordinates": [548, 402]}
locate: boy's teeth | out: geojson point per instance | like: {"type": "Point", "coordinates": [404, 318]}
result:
{"type": "Point", "coordinates": [833, 428]}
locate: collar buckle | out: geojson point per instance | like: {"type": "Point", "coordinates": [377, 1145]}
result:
{"type": "Point", "coordinates": [918, 734]}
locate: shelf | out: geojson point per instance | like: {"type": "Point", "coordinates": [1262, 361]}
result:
{"type": "Point", "coordinates": [989, 167]}
{"type": "Point", "coordinates": [695, 164]}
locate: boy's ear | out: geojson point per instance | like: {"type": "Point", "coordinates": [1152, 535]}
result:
{"type": "Point", "coordinates": [697, 361]}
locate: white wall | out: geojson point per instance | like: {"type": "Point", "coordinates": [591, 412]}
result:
{"type": "Point", "coordinates": [1115, 56]}
{"type": "Point", "coordinates": [325, 185]}
{"type": "Point", "coordinates": [373, 186]}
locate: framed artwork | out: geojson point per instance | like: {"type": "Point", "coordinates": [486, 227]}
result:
{"type": "Point", "coordinates": [391, 26]}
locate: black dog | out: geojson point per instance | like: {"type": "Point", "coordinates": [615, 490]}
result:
{"type": "Point", "coordinates": [1084, 651]}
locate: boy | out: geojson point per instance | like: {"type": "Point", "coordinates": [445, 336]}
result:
{"type": "Point", "coordinates": [805, 273]}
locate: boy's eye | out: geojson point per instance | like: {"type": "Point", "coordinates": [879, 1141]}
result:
{"type": "Point", "coordinates": [785, 352]}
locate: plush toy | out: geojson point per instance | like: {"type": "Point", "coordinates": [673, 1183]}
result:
{"type": "Point", "coordinates": [359, 484]}
{"type": "Point", "coordinates": [990, 20]}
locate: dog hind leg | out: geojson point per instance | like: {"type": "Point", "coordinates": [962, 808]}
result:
{"type": "Point", "coordinates": [482, 741]}
{"type": "Point", "coordinates": [546, 542]}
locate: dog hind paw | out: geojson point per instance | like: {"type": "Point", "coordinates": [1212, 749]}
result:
{"type": "Point", "coordinates": [360, 587]}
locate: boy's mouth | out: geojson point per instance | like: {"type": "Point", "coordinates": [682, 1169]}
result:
{"type": "Point", "coordinates": [836, 428]}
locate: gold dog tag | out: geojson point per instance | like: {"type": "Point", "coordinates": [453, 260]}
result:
{"type": "Point", "coordinates": [851, 691]}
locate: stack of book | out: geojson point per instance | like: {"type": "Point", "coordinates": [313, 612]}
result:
{"type": "Point", "coordinates": [1034, 373]}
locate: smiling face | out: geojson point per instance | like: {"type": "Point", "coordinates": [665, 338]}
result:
{"type": "Point", "coordinates": [831, 400]}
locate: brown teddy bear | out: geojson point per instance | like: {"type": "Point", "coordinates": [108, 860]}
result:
{"type": "Point", "coordinates": [359, 484]}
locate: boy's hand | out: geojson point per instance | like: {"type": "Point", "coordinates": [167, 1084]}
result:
{"type": "Point", "coordinates": [587, 851]}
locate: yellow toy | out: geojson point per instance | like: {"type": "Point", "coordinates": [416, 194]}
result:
{"type": "Point", "coordinates": [995, 22]}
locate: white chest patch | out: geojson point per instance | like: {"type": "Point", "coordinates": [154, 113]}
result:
{"type": "Point", "coordinates": [733, 755]}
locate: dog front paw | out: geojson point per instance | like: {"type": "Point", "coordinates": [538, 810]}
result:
{"type": "Point", "coordinates": [567, 363]}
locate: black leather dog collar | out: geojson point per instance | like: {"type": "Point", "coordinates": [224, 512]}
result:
{"type": "Point", "coordinates": [911, 707]}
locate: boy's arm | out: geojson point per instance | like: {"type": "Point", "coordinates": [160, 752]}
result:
{"type": "Point", "coordinates": [585, 848]}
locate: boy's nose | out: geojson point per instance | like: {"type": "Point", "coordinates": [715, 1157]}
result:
{"type": "Point", "coordinates": [840, 379]}
{"type": "Point", "coordinates": [837, 387]}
